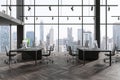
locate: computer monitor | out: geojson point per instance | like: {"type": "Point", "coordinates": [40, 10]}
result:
{"type": "Point", "coordinates": [25, 43]}
{"type": "Point", "coordinates": [95, 44]}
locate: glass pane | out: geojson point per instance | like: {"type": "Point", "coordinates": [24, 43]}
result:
{"type": "Point", "coordinates": [70, 35]}
{"type": "Point", "coordinates": [4, 38]}
{"type": "Point", "coordinates": [88, 34]}
{"type": "Point", "coordinates": [88, 2]}
{"type": "Point", "coordinates": [69, 19]}
{"type": "Point", "coordinates": [47, 35]}
{"type": "Point", "coordinates": [29, 33]}
{"type": "Point", "coordinates": [13, 9]}
{"type": "Point", "coordinates": [103, 37]}
{"type": "Point", "coordinates": [3, 8]}
{"type": "Point", "coordinates": [46, 2]}
{"type": "Point", "coordinates": [102, 15]}
{"type": "Point", "coordinates": [13, 37]}
{"type": "Point", "coordinates": [116, 35]}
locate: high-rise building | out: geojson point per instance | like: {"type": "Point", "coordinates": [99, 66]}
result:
{"type": "Point", "coordinates": [109, 43]}
{"type": "Point", "coordinates": [87, 36]}
{"type": "Point", "coordinates": [4, 37]}
{"type": "Point", "coordinates": [79, 33]}
{"type": "Point", "coordinates": [30, 36]}
{"type": "Point", "coordinates": [62, 44]}
{"type": "Point", "coordinates": [50, 37]}
{"type": "Point", "coordinates": [116, 35]}
{"type": "Point", "coordinates": [69, 36]}
{"type": "Point", "coordinates": [103, 43]}
{"type": "Point", "coordinates": [41, 32]}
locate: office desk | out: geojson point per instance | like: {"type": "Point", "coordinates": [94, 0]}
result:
{"type": "Point", "coordinates": [36, 50]}
{"type": "Point", "coordinates": [86, 50]}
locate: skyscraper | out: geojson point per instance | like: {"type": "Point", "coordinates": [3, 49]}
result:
{"type": "Point", "coordinates": [109, 44]}
{"type": "Point", "coordinates": [50, 37]}
{"type": "Point", "coordinates": [87, 37]}
{"type": "Point", "coordinates": [79, 33]}
{"type": "Point", "coordinates": [103, 43]}
{"type": "Point", "coordinates": [69, 36]}
{"type": "Point", "coordinates": [41, 32]}
{"type": "Point", "coordinates": [116, 35]}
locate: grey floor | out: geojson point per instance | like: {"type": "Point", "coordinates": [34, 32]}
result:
{"type": "Point", "coordinates": [60, 70]}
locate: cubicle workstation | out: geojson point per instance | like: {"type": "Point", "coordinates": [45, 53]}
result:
{"type": "Point", "coordinates": [91, 54]}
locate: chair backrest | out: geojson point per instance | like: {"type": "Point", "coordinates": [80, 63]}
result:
{"type": "Point", "coordinates": [86, 43]}
{"type": "Point", "coordinates": [67, 47]}
{"type": "Point", "coordinates": [6, 50]}
{"type": "Point", "coordinates": [95, 44]}
{"type": "Point", "coordinates": [113, 49]}
{"type": "Point", "coordinates": [52, 48]}
{"type": "Point", "coordinates": [49, 50]}
{"type": "Point", "coordinates": [70, 50]}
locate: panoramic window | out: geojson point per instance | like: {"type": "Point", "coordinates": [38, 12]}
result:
{"type": "Point", "coordinates": [59, 25]}
{"type": "Point", "coordinates": [50, 21]}
{"type": "Point", "coordinates": [110, 24]}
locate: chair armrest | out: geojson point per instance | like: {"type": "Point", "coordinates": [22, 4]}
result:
{"type": "Point", "coordinates": [74, 51]}
{"type": "Point", "coordinates": [48, 50]}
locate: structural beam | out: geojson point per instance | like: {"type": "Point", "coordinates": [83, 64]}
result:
{"type": "Point", "coordinates": [20, 28]}
{"type": "Point", "coordinates": [97, 21]}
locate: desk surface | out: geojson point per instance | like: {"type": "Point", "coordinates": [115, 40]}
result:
{"type": "Point", "coordinates": [93, 49]}
{"type": "Point", "coordinates": [26, 49]}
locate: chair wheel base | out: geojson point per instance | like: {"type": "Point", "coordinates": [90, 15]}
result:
{"type": "Point", "coordinates": [12, 61]}
{"type": "Point", "coordinates": [67, 60]}
{"type": "Point", "coordinates": [104, 60]}
{"type": "Point", "coordinates": [52, 61]}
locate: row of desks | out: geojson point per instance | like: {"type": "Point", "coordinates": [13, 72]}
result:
{"type": "Point", "coordinates": [36, 50]}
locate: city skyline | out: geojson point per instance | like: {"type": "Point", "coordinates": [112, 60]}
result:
{"type": "Point", "coordinates": [41, 31]}
{"type": "Point", "coordinates": [54, 41]}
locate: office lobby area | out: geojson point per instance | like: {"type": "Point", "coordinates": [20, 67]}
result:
{"type": "Point", "coordinates": [60, 40]}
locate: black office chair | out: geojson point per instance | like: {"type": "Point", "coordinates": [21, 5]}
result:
{"type": "Point", "coordinates": [11, 57]}
{"type": "Point", "coordinates": [72, 53]}
{"type": "Point", "coordinates": [67, 51]}
{"type": "Point", "coordinates": [112, 54]}
{"type": "Point", "coordinates": [87, 43]}
{"type": "Point", "coordinates": [52, 49]}
{"type": "Point", "coordinates": [46, 54]}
